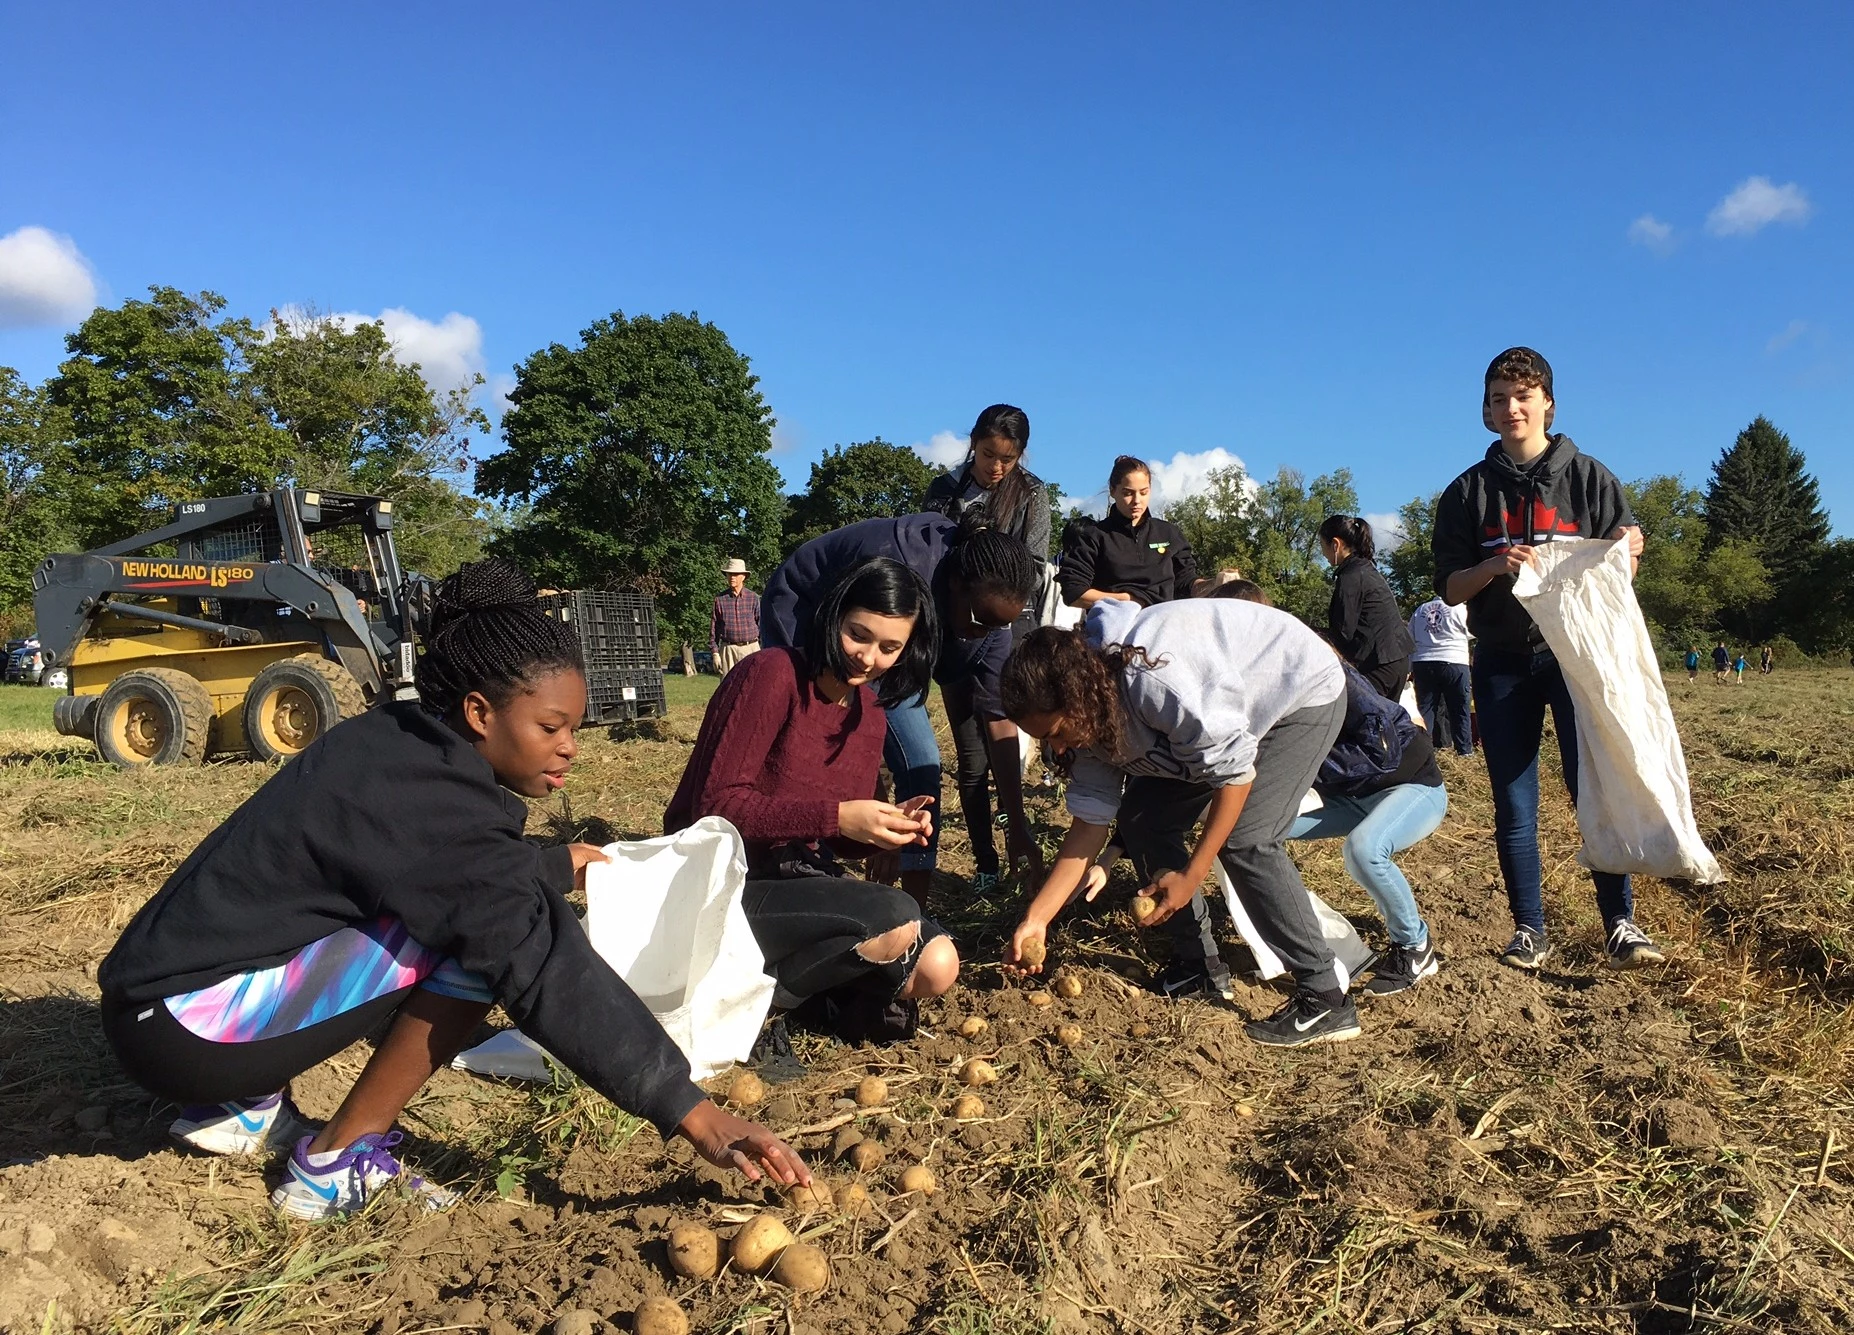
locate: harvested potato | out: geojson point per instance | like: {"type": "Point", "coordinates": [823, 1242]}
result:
{"type": "Point", "coordinates": [694, 1251]}
{"type": "Point", "coordinates": [852, 1199]}
{"type": "Point", "coordinates": [1140, 1029]}
{"type": "Point", "coordinates": [747, 1091]}
{"type": "Point", "coordinates": [1245, 1111]}
{"type": "Point", "coordinates": [866, 1154]}
{"type": "Point", "coordinates": [1039, 998]}
{"type": "Point", "coordinates": [1032, 954]}
{"type": "Point", "coordinates": [802, 1268]}
{"type": "Point", "coordinates": [844, 1141]}
{"type": "Point", "coordinates": [1144, 906]}
{"type": "Point", "coordinates": [1068, 986]}
{"type": "Point", "coordinates": [814, 1197]}
{"type": "Point", "coordinates": [871, 1092]}
{"type": "Point", "coordinates": [578, 1321]}
{"type": "Point", "coordinates": [759, 1242]}
{"type": "Point", "coordinates": [968, 1106]}
{"type": "Point", "coordinates": [659, 1316]}
{"type": "Point", "coordinates": [919, 1178]}
{"type": "Point", "coordinates": [972, 1026]}
{"type": "Point", "coordinates": [978, 1072]}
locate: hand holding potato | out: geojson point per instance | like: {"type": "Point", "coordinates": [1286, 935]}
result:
{"type": "Point", "coordinates": [1027, 949]}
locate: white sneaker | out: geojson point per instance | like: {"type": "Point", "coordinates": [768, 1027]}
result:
{"type": "Point", "coordinates": [248, 1126]}
{"type": "Point", "coordinates": [350, 1179]}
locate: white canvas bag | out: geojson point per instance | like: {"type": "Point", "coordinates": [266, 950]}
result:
{"type": "Point", "coordinates": [1634, 808]}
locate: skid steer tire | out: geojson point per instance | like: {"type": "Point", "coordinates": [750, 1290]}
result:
{"type": "Point", "coordinates": [294, 701]}
{"type": "Point", "coordinates": [153, 716]}
{"type": "Point", "coordinates": [75, 715]}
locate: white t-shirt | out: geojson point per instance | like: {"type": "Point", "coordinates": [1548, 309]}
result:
{"type": "Point", "coordinates": [1440, 632]}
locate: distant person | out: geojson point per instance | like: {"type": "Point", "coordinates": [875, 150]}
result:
{"type": "Point", "coordinates": [1439, 669]}
{"type": "Point", "coordinates": [1738, 668]}
{"type": "Point", "coordinates": [1766, 660]}
{"type": "Point", "coordinates": [1129, 554]}
{"type": "Point", "coordinates": [993, 476]}
{"type": "Point", "coordinates": [1366, 627]}
{"type": "Point", "coordinates": [1693, 663]}
{"type": "Point", "coordinates": [734, 625]}
{"type": "Point", "coordinates": [1721, 662]}
{"type": "Point", "coordinates": [1531, 487]}
{"type": "Point", "coordinates": [1210, 584]}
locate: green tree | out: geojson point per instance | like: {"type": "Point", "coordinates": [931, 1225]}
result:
{"type": "Point", "coordinates": [1686, 583]}
{"type": "Point", "coordinates": [870, 479]}
{"type": "Point", "coordinates": [638, 459]}
{"type": "Point", "coordinates": [32, 517]}
{"type": "Point", "coordinates": [1411, 569]}
{"type": "Point", "coordinates": [1219, 521]}
{"type": "Point", "coordinates": [1288, 514]}
{"type": "Point", "coordinates": [1762, 496]}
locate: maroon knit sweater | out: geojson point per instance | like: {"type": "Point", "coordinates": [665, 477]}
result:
{"type": "Point", "coordinates": [774, 758]}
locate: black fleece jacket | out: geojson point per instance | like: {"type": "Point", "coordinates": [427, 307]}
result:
{"type": "Point", "coordinates": [1153, 562]}
{"type": "Point", "coordinates": [1497, 504]}
{"type": "Point", "coordinates": [394, 813]}
{"type": "Point", "coordinates": [1364, 620]}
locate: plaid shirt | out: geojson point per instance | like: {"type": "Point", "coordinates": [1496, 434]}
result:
{"type": "Point", "coordinates": [736, 619]}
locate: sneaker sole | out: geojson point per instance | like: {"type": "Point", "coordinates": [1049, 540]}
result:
{"type": "Point", "coordinates": [1435, 967]}
{"type": "Point", "coordinates": [311, 1210]}
{"type": "Point", "coordinates": [239, 1143]}
{"type": "Point", "coordinates": [1528, 966]}
{"type": "Point", "coordinates": [1641, 959]}
{"type": "Point", "coordinates": [1336, 1036]}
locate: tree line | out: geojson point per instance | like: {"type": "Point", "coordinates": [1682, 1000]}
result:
{"type": "Point", "coordinates": [638, 457]}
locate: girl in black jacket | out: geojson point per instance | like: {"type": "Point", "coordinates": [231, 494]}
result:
{"type": "Point", "coordinates": [1129, 553]}
{"type": "Point", "coordinates": [382, 875]}
{"type": "Point", "coordinates": [1367, 627]}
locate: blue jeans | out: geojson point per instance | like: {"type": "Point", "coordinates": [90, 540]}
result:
{"type": "Point", "coordinates": [912, 754]}
{"type": "Point", "coordinates": [1511, 693]}
{"type": "Point", "coordinates": [1442, 700]}
{"type": "Point", "coordinates": [1375, 827]}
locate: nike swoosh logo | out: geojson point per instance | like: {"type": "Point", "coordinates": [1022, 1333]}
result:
{"type": "Point", "coordinates": [1303, 1028]}
{"type": "Point", "coordinates": [249, 1123]}
{"type": "Point", "coordinates": [328, 1194]}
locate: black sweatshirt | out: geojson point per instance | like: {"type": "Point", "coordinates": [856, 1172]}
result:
{"type": "Point", "coordinates": [1364, 620]}
{"type": "Point", "coordinates": [393, 813]}
{"type": "Point", "coordinates": [1562, 494]}
{"type": "Point", "coordinates": [1153, 562]}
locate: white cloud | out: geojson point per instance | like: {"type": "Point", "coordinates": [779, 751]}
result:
{"type": "Point", "coordinates": [44, 280]}
{"type": "Point", "coordinates": [448, 352]}
{"type": "Point", "coordinates": [1651, 232]}
{"type": "Point", "coordinates": [1778, 342]}
{"type": "Point", "coordinates": [947, 449]}
{"type": "Point", "coordinates": [1755, 204]}
{"type": "Point", "coordinates": [1189, 474]}
{"type": "Point", "coordinates": [1386, 530]}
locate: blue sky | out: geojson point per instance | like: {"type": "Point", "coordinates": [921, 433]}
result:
{"type": "Point", "coordinates": [1294, 235]}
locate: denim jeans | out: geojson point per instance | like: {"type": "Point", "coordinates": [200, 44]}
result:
{"type": "Point", "coordinates": [912, 754]}
{"type": "Point", "coordinates": [1374, 827]}
{"type": "Point", "coordinates": [1442, 700]}
{"type": "Point", "coordinates": [1511, 694]}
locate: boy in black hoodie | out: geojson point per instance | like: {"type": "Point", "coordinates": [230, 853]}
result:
{"type": "Point", "coordinates": [1531, 488]}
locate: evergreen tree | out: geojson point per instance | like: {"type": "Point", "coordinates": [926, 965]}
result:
{"type": "Point", "coordinates": [1762, 497]}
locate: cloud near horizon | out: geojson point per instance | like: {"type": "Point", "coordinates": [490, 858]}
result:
{"type": "Point", "coordinates": [1755, 204]}
{"type": "Point", "coordinates": [44, 280]}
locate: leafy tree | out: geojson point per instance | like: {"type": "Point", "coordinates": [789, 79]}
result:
{"type": "Point", "coordinates": [1219, 521]}
{"type": "Point", "coordinates": [638, 459]}
{"type": "Point", "coordinates": [1411, 569]}
{"type": "Point", "coordinates": [1761, 495]}
{"type": "Point", "coordinates": [1288, 514]}
{"type": "Point", "coordinates": [868, 480]}
{"type": "Point", "coordinates": [1686, 582]}
{"type": "Point", "coordinates": [32, 518]}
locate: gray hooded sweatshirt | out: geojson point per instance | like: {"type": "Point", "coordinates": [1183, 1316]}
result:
{"type": "Point", "coordinates": [1224, 672]}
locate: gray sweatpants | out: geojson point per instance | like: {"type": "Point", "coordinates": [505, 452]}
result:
{"type": "Point", "coordinates": [1157, 815]}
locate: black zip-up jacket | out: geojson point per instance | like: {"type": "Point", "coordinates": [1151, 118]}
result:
{"type": "Point", "coordinates": [1153, 562]}
{"type": "Point", "coordinates": [1364, 620]}
{"type": "Point", "coordinates": [1496, 504]}
{"type": "Point", "coordinates": [393, 813]}
{"type": "Point", "coordinates": [947, 495]}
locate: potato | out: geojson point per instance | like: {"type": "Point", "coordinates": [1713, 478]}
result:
{"type": "Point", "coordinates": [872, 1092]}
{"type": "Point", "coordinates": [844, 1141]}
{"type": "Point", "coordinates": [694, 1251]}
{"type": "Point", "coordinates": [1068, 1034]}
{"type": "Point", "coordinates": [1039, 998]}
{"type": "Point", "coordinates": [578, 1321]}
{"type": "Point", "coordinates": [1245, 1111]}
{"type": "Point", "coordinates": [802, 1268]}
{"type": "Point", "coordinates": [747, 1090]}
{"type": "Point", "coordinates": [1140, 1029]}
{"type": "Point", "coordinates": [1032, 954]}
{"type": "Point", "coordinates": [1068, 986]}
{"type": "Point", "coordinates": [814, 1197]}
{"type": "Point", "coordinates": [1144, 906]}
{"type": "Point", "coordinates": [972, 1026]}
{"type": "Point", "coordinates": [852, 1199]}
{"type": "Point", "coordinates": [978, 1072]}
{"type": "Point", "coordinates": [659, 1316]}
{"type": "Point", "coordinates": [866, 1154]}
{"type": "Point", "coordinates": [759, 1242]}
{"type": "Point", "coordinates": [918, 1178]}
{"type": "Point", "coordinates": [968, 1106]}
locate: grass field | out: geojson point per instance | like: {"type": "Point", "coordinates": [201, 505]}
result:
{"type": "Point", "coordinates": [1573, 1151]}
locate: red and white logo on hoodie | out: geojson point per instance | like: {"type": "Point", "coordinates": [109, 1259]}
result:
{"type": "Point", "coordinates": [1546, 527]}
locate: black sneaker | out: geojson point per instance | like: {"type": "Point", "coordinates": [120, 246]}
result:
{"type": "Point", "coordinates": [1630, 947]}
{"type": "Point", "coordinates": [1400, 968]}
{"type": "Point", "coordinates": [1306, 1018]}
{"type": "Point", "coordinates": [773, 1059]}
{"type": "Point", "coordinates": [1195, 978]}
{"type": "Point", "coordinates": [864, 1011]}
{"type": "Point", "coordinates": [1527, 949]}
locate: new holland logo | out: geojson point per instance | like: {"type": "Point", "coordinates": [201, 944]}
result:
{"type": "Point", "coordinates": [1159, 547]}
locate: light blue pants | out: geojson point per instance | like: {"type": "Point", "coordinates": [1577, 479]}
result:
{"type": "Point", "coordinates": [912, 754]}
{"type": "Point", "coordinates": [1374, 827]}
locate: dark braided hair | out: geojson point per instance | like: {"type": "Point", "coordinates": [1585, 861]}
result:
{"type": "Point", "coordinates": [489, 634]}
{"type": "Point", "coordinates": [988, 562]}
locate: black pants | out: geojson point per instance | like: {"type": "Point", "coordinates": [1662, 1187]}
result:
{"type": "Point", "coordinates": [809, 928]}
{"type": "Point", "coordinates": [1442, 695]}
{"type": "Point", "coordinates": [972, 773]}
{"type": "Point", "coordinates": [170, 1061]}
{"type": "Point", "coordinates": [1387, 678]}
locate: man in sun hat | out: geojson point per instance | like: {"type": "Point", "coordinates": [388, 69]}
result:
{"type": "Point", "coordinates": [734, 627]}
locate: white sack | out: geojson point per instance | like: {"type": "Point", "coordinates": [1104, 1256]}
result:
{"type": "Point", "coordinates": [1634, 808]}
{"type": "Point", "coordinates": [666, 915]}
{"type": "Point", "coordinates": [1350, 953]}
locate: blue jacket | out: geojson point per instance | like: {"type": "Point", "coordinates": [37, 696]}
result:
{"type": "Point", "coordinates": [919, 542]}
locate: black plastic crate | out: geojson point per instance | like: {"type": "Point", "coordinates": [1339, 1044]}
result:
{"type": "Point", "coordinates": [617, 694]}
{"type": "Point", "coordinates": [616, 630]}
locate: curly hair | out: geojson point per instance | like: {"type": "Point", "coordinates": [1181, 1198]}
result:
{"type": "Point", "coordinates": [1058, 672]}
{"type": "Point", "coordinates": [1522, 367]}
{"type": "Point", "coordinates": [489, 634]}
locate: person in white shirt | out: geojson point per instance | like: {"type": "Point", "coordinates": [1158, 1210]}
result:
{"type": "Point", "coordinates": [1439, 671]}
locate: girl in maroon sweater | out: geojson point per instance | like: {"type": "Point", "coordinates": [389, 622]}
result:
{"type": "Point", "coordinates": [788, 754]}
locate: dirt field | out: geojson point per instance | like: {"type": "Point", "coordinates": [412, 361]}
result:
{"type": "Point", "coordinates": [1575, 1151]}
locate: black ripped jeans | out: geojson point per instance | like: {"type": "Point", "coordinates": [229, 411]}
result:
{"type": "Point", "coordinates": [809, 928]}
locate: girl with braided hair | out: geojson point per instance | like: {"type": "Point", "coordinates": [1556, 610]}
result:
{"type": "Point", "coordinates": [382, 876]}
{"type": "Point", "coordinates": [980, 578]}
